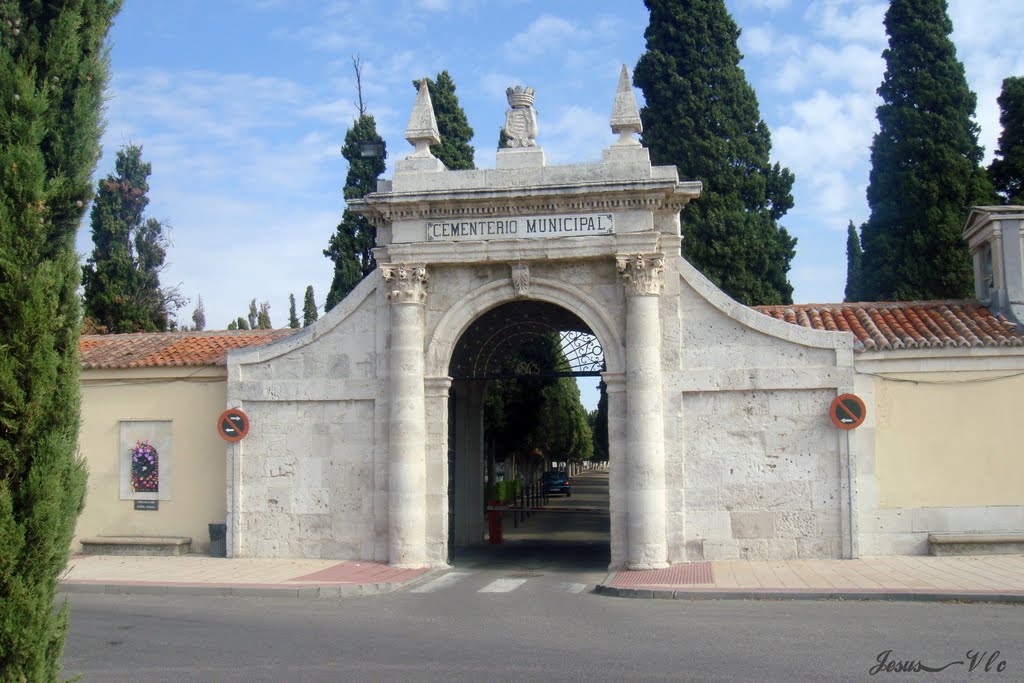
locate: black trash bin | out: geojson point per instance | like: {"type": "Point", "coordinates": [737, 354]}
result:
{"type": "Point", "coordinates": [218, 540]}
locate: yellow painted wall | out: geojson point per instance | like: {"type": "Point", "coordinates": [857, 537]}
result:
{"type": "Point", "coordinates": [947, 442]}
{"type": "Point", "coordinates": [198, 454]}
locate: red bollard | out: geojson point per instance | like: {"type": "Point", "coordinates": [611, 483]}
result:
{"type": "Point", "coordinates": [494, 523]}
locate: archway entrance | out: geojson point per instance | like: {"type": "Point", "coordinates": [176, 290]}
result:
{"type": "Point", "coordinates": [517, 422]}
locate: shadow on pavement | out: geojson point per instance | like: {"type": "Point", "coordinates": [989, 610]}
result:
{"type": "Point", "coordinates": [536, 554]}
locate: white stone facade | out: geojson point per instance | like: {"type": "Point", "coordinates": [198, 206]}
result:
{"type": "Point", "coordinates": [720, 442]}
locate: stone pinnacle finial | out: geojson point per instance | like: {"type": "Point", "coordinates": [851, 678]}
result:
{"type": "Point", "coordinates": [625, 114]}
{"type": "Point", "coordinates": [422, 129]}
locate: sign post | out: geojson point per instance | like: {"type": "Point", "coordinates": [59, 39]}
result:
{"type": "Point", "coordinates": [847, 413]}
{"type": "Point", "coordinates": [233, 425]}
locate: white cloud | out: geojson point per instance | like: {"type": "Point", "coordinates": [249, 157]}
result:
{"type": "Point", "coordinates": [545, 34]}
{"type": "Point", "coordinates": [574, 134]}
{"type": "Point", "coordinates": [772, 5]}
{"type": "Point", "coordinates": [827, 144]}
{"type": "Point", "coordinates": [849, 20]}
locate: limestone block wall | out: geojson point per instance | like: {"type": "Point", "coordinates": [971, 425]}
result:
{"type": "Point", "coordinates": [761, 477]}
{"type": "Point", "coordinates": [310, 478]}
{"type": "Point", "coordinates": [754, 467]}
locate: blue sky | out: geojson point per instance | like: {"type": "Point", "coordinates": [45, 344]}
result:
{"type": "Point", "coordinates": [241, 106]}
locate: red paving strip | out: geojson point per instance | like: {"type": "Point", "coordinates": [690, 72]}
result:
{"type": "Point", "coordinates": [362, 572]}
{"type": "Point", "coordinates": [676, 575]}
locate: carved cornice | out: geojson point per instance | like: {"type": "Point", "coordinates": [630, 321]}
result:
{"type": "Point", "coordinates": [405, 283]}
{"type": "Point", "coordinates": [521, 279]}
{"type": "Point", "coordinates": [641, 273]}
{"type": "Point", "coordinates": [381, 209]}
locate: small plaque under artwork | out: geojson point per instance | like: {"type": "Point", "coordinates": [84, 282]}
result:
{"type": "Point", "coordinates": [147, 505]}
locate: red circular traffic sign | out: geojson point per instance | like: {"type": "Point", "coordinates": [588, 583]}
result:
{"type": "Point", "coordinates": [233, 425]}
{"type": "Point", "coordinates": [847, 411]}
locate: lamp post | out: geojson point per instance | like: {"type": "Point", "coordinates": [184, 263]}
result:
{"type": "Point", "coordinates": [372, 150]}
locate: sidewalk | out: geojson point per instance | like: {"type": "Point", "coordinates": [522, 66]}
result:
{"type": "Point", "coordinates": [976, 578]}
{"type": "Point", "coordinates": [980, 578]}
{"type": "Point", "coordinates": [203, 575]}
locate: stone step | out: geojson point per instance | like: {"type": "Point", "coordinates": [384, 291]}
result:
{"type": "Point", "coordinates": [137, 545]}
{"type": "Point", "coordinates": [976, 544]}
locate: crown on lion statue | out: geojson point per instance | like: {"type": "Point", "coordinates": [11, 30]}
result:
{"type": "Point", "coordinates": [520, 96]}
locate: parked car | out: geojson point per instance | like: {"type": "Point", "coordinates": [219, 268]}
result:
{"type": "Point", "coordinates": [557, 482]}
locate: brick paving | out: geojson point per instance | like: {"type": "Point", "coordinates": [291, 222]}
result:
{"type": "Point", "coordinates": [982, 577]}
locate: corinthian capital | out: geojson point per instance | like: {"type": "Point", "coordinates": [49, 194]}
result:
{"type": "Point", "coordinates": [406, 283]}
{"type": "Point", "coordinates": [641, 273]}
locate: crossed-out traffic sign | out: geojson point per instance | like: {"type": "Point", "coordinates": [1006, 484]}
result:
{"type": "Point", "coordinates": [847, 411]}
{"type": "Point", "coordinates": [233, 425]}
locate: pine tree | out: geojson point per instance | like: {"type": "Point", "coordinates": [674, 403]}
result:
{"type": "Point", "coordinates": [351, 246]}
{"type": "Point", "coordinates": [199, 316]}
{"type": "Point", "coordinates": [455, 152]}
{"type": "Point", "coordinates": [53, 71]}
{"type": "Point", "coordinates": [854, 255]}
{"type": "Point", "coordinates": [702, 116]}
{"type": "Point", "coordinates": [240, 324]}
{"type": "Point", "coordinates": [122, 277]}
{"type": "Point", "coordinates": [293, 318]}
{"type": "Point", "coordinates": [309, 312]}
{"type": "Point", "coordinates": [1007, 169]}
{"type": "Point", "coordinates": [925, 163]}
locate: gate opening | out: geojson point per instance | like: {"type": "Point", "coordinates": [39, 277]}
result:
{"type": "Point", "coordinates": [518, 424]}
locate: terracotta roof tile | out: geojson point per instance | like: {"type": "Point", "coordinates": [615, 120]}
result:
{"type": "Point", "coordinates": [169, 349]}
{"type": "Point", "coordinates": [905, 324]}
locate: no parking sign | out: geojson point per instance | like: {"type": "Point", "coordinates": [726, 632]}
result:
{"type": "Point", "coordinates": [847, 411]}
{"type": "Point", "coordinates": [233, 425]}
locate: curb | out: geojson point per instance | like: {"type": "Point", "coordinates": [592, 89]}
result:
{"type": "Point", "coordinates": [228, 590]}
{"type": "Point", "coordinates": [811, 594]}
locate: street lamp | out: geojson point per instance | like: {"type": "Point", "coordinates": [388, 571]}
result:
{"type": "Point", "coordinates": [372, 150]}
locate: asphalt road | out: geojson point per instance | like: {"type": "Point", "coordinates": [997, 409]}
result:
{"type": "Point", "coordinates": [540, 631]}
{"type": "Point", "coordinates": [524, 611]}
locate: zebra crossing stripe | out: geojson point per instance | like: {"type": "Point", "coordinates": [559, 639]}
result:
{"type": "Point", "coordinates": [572, 587]}
{"type": "Point", "coordinates": [440, 582]}
{"type": "Point", "coordinates": [502, 586]}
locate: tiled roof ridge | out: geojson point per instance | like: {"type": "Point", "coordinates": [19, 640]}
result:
{"type": "Point", "coordinates": [195, 333]}
{"type": "Point", "coordinates": [894, 325]}
{"type": "Point", "coordinates": [170, 349]}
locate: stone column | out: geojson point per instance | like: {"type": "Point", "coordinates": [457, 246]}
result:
{"type": "Point", "coordinates": [407, 514]}
{"type": "Point", "coordinates": [645, 431]}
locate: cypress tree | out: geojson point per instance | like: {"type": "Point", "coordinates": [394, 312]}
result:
{"type": "Point", "coordinates": [309, 312]}
{"type": "Point", "coordinates": [702, 116]}
{"type": "Point", "coordinates": [925, 163]}
{"type": "Point", "coordinates": [199, 316]}
{"type": "Point", "coordinates": [53, 71]}
{"type": "Point", "coordinates": [122, 277]}
{"type": "Point", "coordinates": [263, 317]}
{"type": "Point", "coordinates": [293, 318]}
{"type": "Point", "coordinates": [1007, 169]}
{"type": "Point", "coordinates": [854, 256]}
{"type": "Point", "coordinates": [351, 246]}
{"type": "Point", "coordinates": [253, 316]}
{"type": "Point", "coordinates": [455, 152]}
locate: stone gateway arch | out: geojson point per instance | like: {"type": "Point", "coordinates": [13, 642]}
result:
{"type": "Point", "coordinates": [719, 441]}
